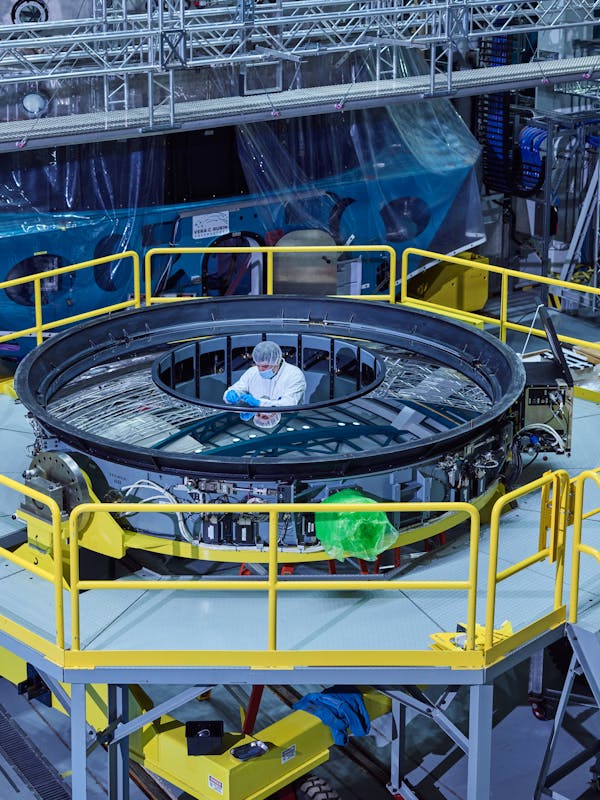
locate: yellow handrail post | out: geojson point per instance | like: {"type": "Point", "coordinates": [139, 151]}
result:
{"type": "Point", "coordinates": [270, 271]}
{"type": "Point", "coordinates": [562, 502]}
{"type": "Point", "coordinates": [545, 503]}
{"type": "Point", "coordinates": [148, 277]}
{"type": "Point", "coordinates": [404, 276]}
{"type": "Point", "coordinates": [473, 571]}
{"type": "Point", "coordinates": [490, 609]}
{"type": "Point", "coordinates": [503, 305]}
{"type": "Point", "coordinates": [137, 301]}
{"type": "Point", "coordinates": [577, 525]}
{"type": "Point", "coordinates": [392, 297]}
{"type": "Point", "coordinates": [37, 297]}
{"type": "Point", "coordinates": [273, 580]}
{"type": "Point", "coordinates": [74, 575]}
{"type": "Point", "coordinates": [58, 572]}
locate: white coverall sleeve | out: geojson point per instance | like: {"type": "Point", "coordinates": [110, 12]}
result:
{"type": "Point", "coordinates": [242, 385]}
{"type": "Point", "coordinates": [290, 388]}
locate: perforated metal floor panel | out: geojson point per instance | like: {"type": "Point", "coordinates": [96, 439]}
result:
{"type": "Point", "coordinates": [31, 765]}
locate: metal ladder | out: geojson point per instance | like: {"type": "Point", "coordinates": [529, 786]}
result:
{"type": "Point", "coordinates": [586, 661]}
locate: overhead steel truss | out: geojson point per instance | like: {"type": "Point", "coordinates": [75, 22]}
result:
{"type": "Point", "coordinates": [146, 55]}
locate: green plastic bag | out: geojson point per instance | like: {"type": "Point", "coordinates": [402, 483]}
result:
{"type": "Point", "coordinates": [358, 534]}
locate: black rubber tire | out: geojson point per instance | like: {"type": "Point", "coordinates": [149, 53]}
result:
{"type": "Point", "coordinates": [313, 788]}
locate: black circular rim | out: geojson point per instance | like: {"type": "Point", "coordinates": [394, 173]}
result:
{"type": "Point", "coordinates": [493, 366]}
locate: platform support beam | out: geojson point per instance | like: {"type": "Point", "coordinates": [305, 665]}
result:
{"type": "Point", "coordinates": [397, 752]}
{"type": "Point", "coordinates": [480, 741]}
{"type": "Point", "coordinates": [78, 741]}
{"type": "Point", "coordinates": [118, 752]}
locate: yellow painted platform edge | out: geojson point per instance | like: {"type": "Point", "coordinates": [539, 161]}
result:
{"type": "Point", "coordinates": [527, 634]}
{"type": "Point", "coordinates": [586, 394]}
{"type": "Point", "coordinates": [7, 387]}
{"type": "Point", "coordinates": [276, 660]}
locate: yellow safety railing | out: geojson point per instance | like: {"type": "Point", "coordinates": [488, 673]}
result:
{"type": "Point", "coordinates": [502, 322]}
{"type": "Point", "coordinates": [57, 576]}
{"type": "Point", "coordinates": [391, 295]}
{"type": "Point", "coordinates": [553, 518]}
{"type": "Point", "coordinates": [40, 327]}
{"type": "Point", "coordinates": [554, 489]}
{"type": "Point", "coordinates": [270, 252]}
{"type": "Point", "coordinates": [580, 547]}
{"type": "Point", "coordinates": [273, 584]}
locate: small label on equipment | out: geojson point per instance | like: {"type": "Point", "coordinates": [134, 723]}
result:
{"type": "Point", "coordinates": [215, 784]}
{"type": "Point", "coordinates": [288, 754]}
{"type": "Point", "coordinates": [207, 225]}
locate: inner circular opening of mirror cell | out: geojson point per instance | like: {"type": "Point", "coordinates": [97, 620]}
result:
{"type": "Point", "coordinates": [336, 370]}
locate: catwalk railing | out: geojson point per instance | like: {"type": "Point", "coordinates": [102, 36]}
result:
{"type": "Point", "coordinates": [38, 280]}
{"type": "Point", "coordinates": [552, 486]}
{"type": "Point", "coordinates": [502, 322]}
{"type": "Point", "coordinates": [63, 548]}
{"type": "Point", "coordinates": [397, 286]}
{"type": "Point", "coordinates": [590, 548]}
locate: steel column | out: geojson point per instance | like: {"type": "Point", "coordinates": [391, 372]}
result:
{"type": "Point", "coordinates": [118, 752]}
{"type": "Point", "coordinates": [480, 741]}
{"type": "Point", "coordinates": [78, 741]}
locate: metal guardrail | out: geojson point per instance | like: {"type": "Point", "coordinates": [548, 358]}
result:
{"type": "Point", "coordinates": [555, 482]}
{"type": "Point", "coordinates": [472, 656]}
{"type": "Point", "coordinates": [554, 499]}
{"type": "Point", "coordinates": [390, 295]}
{"type": "Point", "coordinates": [503, 323]}
{"type": "Point", "coordinates": [397, 291]}
{"type": "Point", "coordinates": [579, 547]}
{"type": "Point", "coordinates": [273, 585]}
{"type": "Point", "coordinates": [135, 301]}
{"type": "Point", "coordinates": [40, 327]}
{"type": "Point", "coordinates": [56, 538]}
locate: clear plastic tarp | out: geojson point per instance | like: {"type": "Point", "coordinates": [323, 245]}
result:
{"type": "Point", "coordinates": [403, 175]}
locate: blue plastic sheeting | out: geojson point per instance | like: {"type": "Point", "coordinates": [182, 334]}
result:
{"type": "Point", "coordinates": [402, 175]}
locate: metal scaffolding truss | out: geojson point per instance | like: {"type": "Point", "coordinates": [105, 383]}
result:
{"type": "Point", "coordinates": [114, 40]}
{"type": "Point", "coordinates": [146, 55]}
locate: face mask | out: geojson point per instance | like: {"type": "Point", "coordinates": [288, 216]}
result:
{"type": "Point", "coordinates": [268, 374]}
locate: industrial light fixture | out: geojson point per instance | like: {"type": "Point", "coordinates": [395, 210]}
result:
{"type": "Point", "coordinates": [29, 12]}
{"type": "Point", "coordinates": [35, 104]}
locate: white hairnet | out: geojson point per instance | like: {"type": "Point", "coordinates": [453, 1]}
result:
{"type": "Point", "coordinates": [267, 353]}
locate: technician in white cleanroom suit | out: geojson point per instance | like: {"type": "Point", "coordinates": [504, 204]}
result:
{"type": "Point", "coordinates": [270, 382]}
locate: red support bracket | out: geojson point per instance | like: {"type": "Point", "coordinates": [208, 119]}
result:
{"type": "Point", "coordinates": [252, 710]}
{"type": "Point", "coordinates": [364, 566]}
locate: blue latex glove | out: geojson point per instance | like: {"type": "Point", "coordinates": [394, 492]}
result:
{"type": "Point", "coordinates": [231, 396]}
{"type": "Point", "coordinates": [250, 400]}
{"type": "Point", "coordinates": [246, 415]}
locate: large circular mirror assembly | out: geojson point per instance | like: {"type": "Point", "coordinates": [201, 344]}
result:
{"type": "Point", "coordinates": [399, 405]}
